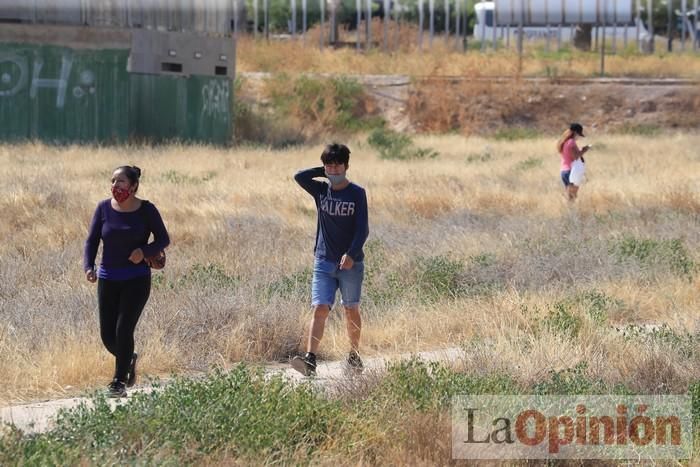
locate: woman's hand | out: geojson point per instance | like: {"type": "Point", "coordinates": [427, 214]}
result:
{"type": "Point", "coordinates": [90, 275]}
{"type": "Point", "coordinates": [136, 256]}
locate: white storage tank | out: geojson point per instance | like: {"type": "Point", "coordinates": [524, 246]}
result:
{"type": "Point", "coordinates": [565, 12]}
{"type": "Point", "coordinates": [555, 19]}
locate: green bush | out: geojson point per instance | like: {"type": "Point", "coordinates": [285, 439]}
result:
{"type": "Point", "coordinates": [432, 278]}
{"type": "Point", "coordinates": [515, 133]}
{"type": "Point", "coordinates": [387, 289]}
{"type": "Point", "coordinates": [178, 178]}
{"type": "Point", "coordinates": [208, 275]}
{"type": "Point", "coordinates": [431, 385]}
{"type": "Point", "coordinates": [479, 157]}
{"type": "Point", "coordinates": [253, 125]}
{"type": "Point", "coordinates": [483, 276]}
{"type": "Point", "coordinates": [651, 252]}
{"type": "Point", "coordinates": [563, 321]}
{"type": "Point", "coordinates": [597, 305]}
{"type": "Point", "coordinates": [483, 259]}
{"type": "Point", "coordinates": [296, 284]}
{"type": "Point", "coordinates": [242, 411]}
{"type": "Point", "coordinates": [332, 103]}
{"type": "Point", "coordinates": [529, 163]}
{"type": "Point", "coordinates": [694, 393]}
{"type": "Point", "coordinates": [686, 345]}
{"type": "Point", "coordinates": [348, 94]}
{"type": "Point", "coordinates": [638, 129]}
{"type": "Point", "coordinates": [158, 280]}
{"type": "Point", "coordinates": [247, 417]}
{"type": "Point", "coordinates": [393, 145]}
{"type": "Point", "coordinates": [574, 381]}
{"type": "Point", "coordinates": [438, 277]}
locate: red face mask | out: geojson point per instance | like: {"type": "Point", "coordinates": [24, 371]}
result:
{"type": "Point", "coordinates": [120, 194]}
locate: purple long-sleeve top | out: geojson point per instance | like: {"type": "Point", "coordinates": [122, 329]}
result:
{"type": "Point", "coordinates": [121, 233]}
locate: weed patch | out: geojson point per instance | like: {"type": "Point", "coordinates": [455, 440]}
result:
{"type": "Point", "coordinates": [563, 321]}
{"type": "Point", "coordinates": [245, 416]}
{"type": "Point", "coordinates": [574, 381]}
{"type": "Point", "coordinates": [316, 104]}
{"type": "Point", "coordinates": [438, 276]}
{"type": "Point", "coordinates": [529, 163]}
{"type": "Point", "coordinates": [515, 133]}
{"type": "Point", "coordinates": [295, 285]}
{"type": "Point", "coordinates": [650, 252]}
{"type": "Point", "coordinates": [240, 410]}
{"type": "Point", "coordinates": [484, 156]}
{"type": "Point", "coordinates": [394, 145]}
{"type": "Point", "coordinates": [686, 345]}
{"type": "Point", "coordinates": [638, 130]}
{"type": "Point", "coordinates": [208, 275]}
{"type": "Point", "coordinates": [177, 178]}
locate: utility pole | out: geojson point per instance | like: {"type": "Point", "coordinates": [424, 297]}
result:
{"type": "Point", "coordinates": [650, 21]}
{"type": "Point", "coordinates": [669, 24]}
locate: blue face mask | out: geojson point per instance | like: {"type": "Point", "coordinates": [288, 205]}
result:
{"type": "Point", "coordinates": [336, 179]}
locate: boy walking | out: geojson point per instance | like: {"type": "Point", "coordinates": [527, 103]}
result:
{"type": "Point", "coordinates": [341, 232]}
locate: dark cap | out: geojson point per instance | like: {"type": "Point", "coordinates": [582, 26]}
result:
{"type": "Point", "coordinates": [576, 128]}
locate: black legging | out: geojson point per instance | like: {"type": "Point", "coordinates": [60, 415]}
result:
{"type": "Point", "coordinates": [121, 304]}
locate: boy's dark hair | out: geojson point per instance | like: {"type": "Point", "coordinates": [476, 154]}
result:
{"type": "Point", "coordinates": [335, 154]}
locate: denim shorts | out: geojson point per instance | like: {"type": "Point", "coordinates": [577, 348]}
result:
{"type": "Point", "coordinates": [565, 177]}
{"type": "Point", "coordinates": [328, 278]}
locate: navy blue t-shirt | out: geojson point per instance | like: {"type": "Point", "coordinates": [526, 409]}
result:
{"type": "Point", "coordinates": [342, 217]}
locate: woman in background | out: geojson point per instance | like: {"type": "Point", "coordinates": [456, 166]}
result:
{"type": "Point", "coordinates": [569, 152]}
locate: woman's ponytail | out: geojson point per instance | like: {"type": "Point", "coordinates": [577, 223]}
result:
{"type": "Point", "coordinates": [568, 134]}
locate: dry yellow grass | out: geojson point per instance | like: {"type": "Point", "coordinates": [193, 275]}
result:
{"type": "Point", "coordinates": [236, 283]}
{"type": "Point", "coordinates": [444, 60]}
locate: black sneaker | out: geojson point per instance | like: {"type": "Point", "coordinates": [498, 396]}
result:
{"type": "Point", "coordinates": [305, 365]}
{"type": "Point", "coordinates": [116, 389]}
{"type": "Point", "coordinates": [355, 362]}
{"type": "Point", "coordinates": [131, 378]}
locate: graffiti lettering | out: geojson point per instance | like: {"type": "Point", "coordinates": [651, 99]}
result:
{"type": "Point", "coordinates": [215, 99]}
{"type": "Point", "coordinates": [87, 80]}
{"type": "Point", "coordinates": [60, 84]}
{"type": "Point", "coordinates": [14, 75]}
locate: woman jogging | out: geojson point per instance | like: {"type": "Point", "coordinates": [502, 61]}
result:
{"type": "Point", "coordinates": [569, 152]}
{"type": "Point", "coordinates": [124, 224]}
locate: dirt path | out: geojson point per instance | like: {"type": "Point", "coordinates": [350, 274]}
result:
{"type": "Point", "coordinates": [39, 417]}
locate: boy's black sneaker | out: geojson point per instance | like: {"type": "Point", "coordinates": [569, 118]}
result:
{"type": "Point", "coordinates": [131, 378]}
{"type": "Point", "coordinates": [305, 365]}
{"type": "Point", "coordinates": [116, 388]}
{"type": "Point", "coordinates": [355, 362]}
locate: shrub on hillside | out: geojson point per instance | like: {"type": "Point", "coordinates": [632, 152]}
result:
{"type": "Point", "coordinates": [393, 145]}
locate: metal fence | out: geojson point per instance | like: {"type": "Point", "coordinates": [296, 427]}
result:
{"type": "Point", "coordinates": [456, 22]}
{"type": "Point", "coordinates": [617, 23]}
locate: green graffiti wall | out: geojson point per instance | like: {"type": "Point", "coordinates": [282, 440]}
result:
{"type": "Point", "coordinates": [64, 95]}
